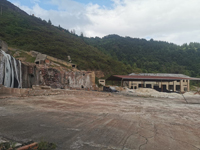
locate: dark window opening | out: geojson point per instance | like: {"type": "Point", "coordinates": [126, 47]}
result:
{"type": "Point", "coordinates": [84, 74]}
{"type": "Point", "coordinates": [37, 62]}
{"type": "Point", "coordinates": [140, 85]}
{"type": "Point", "coordinates": [156, 87]}
{"type": "Point", "coordinates": [171, 87]}
{"type": "Point", "coordinates": [82, 86]}
{"type": "Point", "coordinates": [163, 88]}
{"type": "Point", "coordinates": [177, 87]}
{"type": "Point", "coordinates": [135, 87]}
{"type": "Point", "coordinates": [131, 87]}
{"type": "Point", "coordinates": [148, 85]}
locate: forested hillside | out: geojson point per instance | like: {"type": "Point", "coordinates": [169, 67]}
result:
{"type": "Point", "coordinates": [27, 32]}
{"type": "Point", "coordinates": [111, 54]}
{"type": "Point", "coordinates": [151, 56]}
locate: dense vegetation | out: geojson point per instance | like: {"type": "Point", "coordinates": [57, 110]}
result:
{"type": "Point", "coordinates": [151, 56]}
{"type": "Point", "coordinates": [26, 32]}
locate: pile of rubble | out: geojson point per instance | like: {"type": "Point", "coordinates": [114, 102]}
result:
{"type": "Point", "coordinates": [153, 93]}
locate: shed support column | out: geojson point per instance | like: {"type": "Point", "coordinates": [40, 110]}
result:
{"type": "Point", "coordinates": [174, 86]}
{"type": "Point", "coordinates": [137, 86]}
{"type": "Point", "coordinates": [159, 84]}
{"type": "Point", "coordinates": [129, 84]}
{"type": "Point", "coordinates": [188, 85]}
{"type": "Point", "coordinates": [167, 86]}
{"type": "Point", "coordinates": [161, 87]}
{"type": "Point", "coordinates": [181, 86]}
{"type": "Point", "coordinates": [122, 83]}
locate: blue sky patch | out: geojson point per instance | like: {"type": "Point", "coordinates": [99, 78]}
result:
{"type": "Point", "coordinates": [45, 4]}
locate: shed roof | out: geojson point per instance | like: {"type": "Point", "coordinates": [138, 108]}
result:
{"type": "Point", "coordinates": [148, 78]}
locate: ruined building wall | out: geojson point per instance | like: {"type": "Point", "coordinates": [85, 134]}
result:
{"type": "Point", "coordinates": [15, 74]}
{"type": "Point", "coordinates": [35, 75]}
{"type": "Point", "coordinates": [52, 77]}
{"type": "Point", "coordinates": [55, 78]}
{"type": "Point", "coordinates": [60, 61]}
{"type": "Point", "coordinates": [80, 80]}
{"type": "Point", "coordinates": [30, 75]}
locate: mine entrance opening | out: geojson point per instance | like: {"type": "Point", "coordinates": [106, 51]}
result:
{"type": "Point", "coordinates": [37, 62]}
{"type": "Point", "coordinates": [73, 66]}
{"type": "Point", "coordinates": [82, 86]}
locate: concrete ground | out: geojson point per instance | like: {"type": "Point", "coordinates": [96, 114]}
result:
{"type": "Point", "coordinates": [89, 120]}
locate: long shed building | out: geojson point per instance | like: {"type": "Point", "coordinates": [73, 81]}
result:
{"type": "Point", "coordinates": [160, 81]}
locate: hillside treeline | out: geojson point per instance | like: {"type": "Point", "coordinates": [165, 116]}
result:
{"type": "Point", "coordinates": [151, 56]}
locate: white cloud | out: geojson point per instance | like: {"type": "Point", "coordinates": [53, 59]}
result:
{"type": "Point", "coordinates": [170, 20]}
{"type": "Point", "coordinates": [175, 21]}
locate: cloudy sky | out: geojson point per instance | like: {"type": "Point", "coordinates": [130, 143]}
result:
{"type": "Point", "coordinates": [176, 21]}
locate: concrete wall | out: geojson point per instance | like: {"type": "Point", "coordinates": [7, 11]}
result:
{"type": "Point", "coordinates": [56, 77]}
{"type": "Point", "coordinates": [102, 82]}
{"type": "Point", "coordinates": [30, 75]}
{"type": "Point", "coordinates": [61, 61]}
{"type": "Point", "coordinates": [40, 59]}
{"type": "Point", "coordinates": [80, 80]}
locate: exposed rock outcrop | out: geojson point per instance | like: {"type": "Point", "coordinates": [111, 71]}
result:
{"type": "Point", "coordinates": [10, 71]}
{"type": "Point", "coordinates": [3, 46]}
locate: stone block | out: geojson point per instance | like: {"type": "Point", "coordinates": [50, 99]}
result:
{"type": "Point", "coordinates": [46, 87]}
{"type": "Point", "coordinates": [3, 46]}
{"type": "Point", "coordinates": [36, 87]}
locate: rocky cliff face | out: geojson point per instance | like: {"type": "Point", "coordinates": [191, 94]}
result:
{"type": "Point", "coordinates": [3, 46]}
{"type": "Point", "coordinates": [10, 71]}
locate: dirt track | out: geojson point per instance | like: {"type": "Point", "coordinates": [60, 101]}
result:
{"type": "Point", "coordinates": [102, 121]}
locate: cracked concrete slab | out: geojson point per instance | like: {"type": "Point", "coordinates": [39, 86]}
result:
{"type": "Point", "coordinates": [86, 120]}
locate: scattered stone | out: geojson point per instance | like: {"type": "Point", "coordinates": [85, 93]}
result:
{"type": "Point", "coordinates": [46, 87]}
